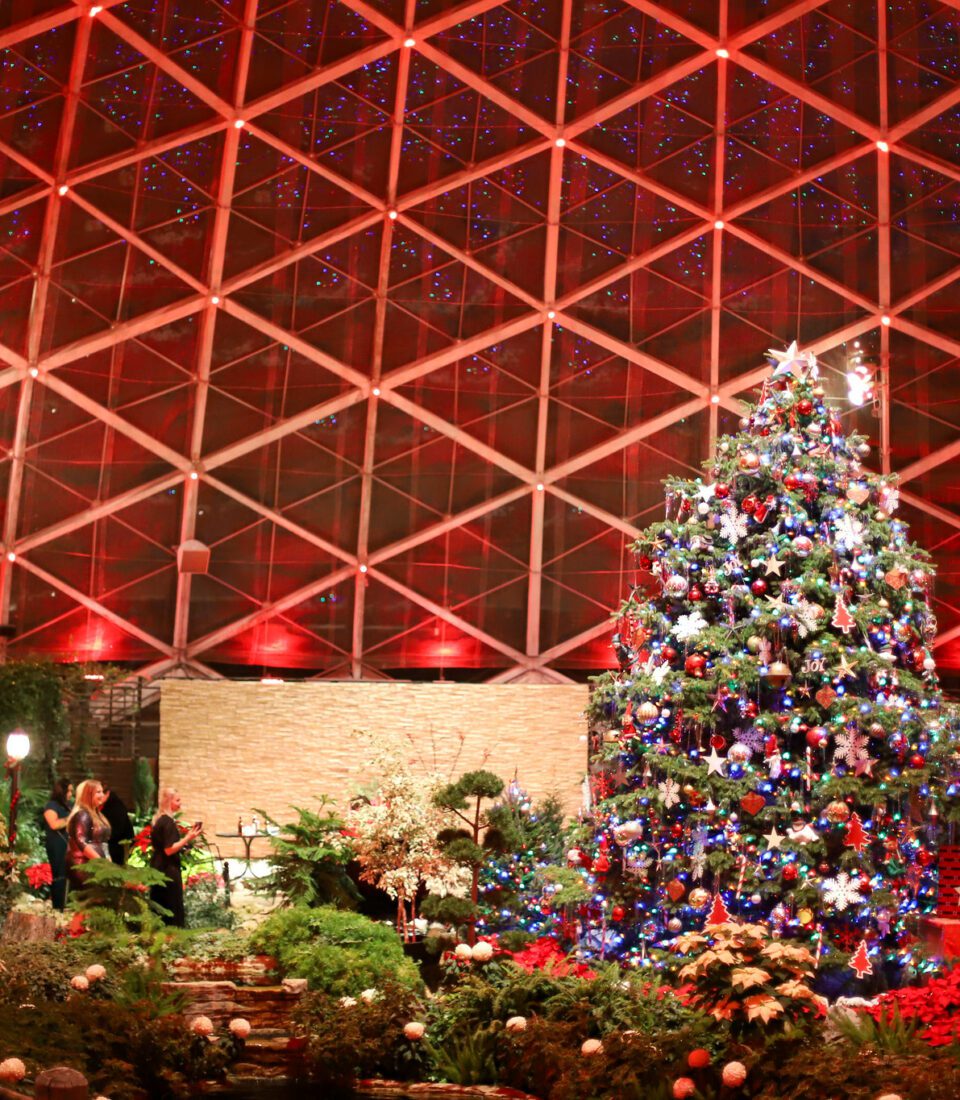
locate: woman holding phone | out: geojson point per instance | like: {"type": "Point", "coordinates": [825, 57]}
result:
{"type": "Point", "coordinates": [167, 846]}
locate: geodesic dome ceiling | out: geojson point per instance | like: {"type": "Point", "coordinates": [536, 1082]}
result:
{"type": "Point", "coordinates": [405, 307]}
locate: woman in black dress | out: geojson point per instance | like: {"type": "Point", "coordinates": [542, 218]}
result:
{"type": "Point", "coordinates": [55, 815]}
{"type": "Point", "coordinates": [168, 843]}
{"type": "Point", "coordinates": [87, 831]}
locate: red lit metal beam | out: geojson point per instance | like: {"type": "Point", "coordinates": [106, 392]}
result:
{"type": "Point", "coordinates": [551, 251]}
{"type": "Point", "coordinates": [38, 307]}
{"type": "Point", "coordinates": [447, 616]}
{"type": "Point", "coordinates": [208, 321]}
{"type": "Point", "coordinates": [379, 335]}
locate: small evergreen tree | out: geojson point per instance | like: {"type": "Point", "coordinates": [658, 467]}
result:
{"type": "Point", "coordinates": [515, 896]}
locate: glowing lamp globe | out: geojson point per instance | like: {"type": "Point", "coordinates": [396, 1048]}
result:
{"type": "Point", "coordinates": [18, 746]}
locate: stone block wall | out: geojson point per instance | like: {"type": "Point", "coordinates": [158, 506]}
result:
{"type": "Point", "coordinates": [230, 746]}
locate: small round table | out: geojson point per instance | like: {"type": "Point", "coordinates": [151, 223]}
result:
{"type": "Point", "coordinates": [248, 839]}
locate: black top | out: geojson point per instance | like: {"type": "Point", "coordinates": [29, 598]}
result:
{"type": "Point", "coordinates": [163, 835]}
{"type": "Point", "coordinates": [121, 828]}
{"type": "Point", "coordinates": [54, 836]}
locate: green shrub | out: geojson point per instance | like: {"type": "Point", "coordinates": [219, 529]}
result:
{"type": "Point", "coordinates": [338, 952]}
{"type": "Point", "coordinates": [115, 897]}
{"type": "Point", "coordinates": [365, 1039]}
{"type": "Point", "coordinates": [37, 973]}
{"type": "Point", "coordinates": [205, 943]}
{"type": "Point", "coordinates": [798, 1071]}
{"type": "Point", "coordinates": [205, 903]}
{"type": "Point", "coordinates": [125, 1052]}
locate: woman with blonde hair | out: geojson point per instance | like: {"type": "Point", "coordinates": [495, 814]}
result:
{"type": "Point", "coordinates": [87, 830]}
{"type": "Point", "coordinates": [168, 843]}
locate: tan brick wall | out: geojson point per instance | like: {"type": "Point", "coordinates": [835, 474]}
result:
{"type": "Point", "coordinates": [229, 746]}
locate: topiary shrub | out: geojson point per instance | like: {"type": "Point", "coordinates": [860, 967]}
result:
{"type": "Point", "coordinates": [338, 952]}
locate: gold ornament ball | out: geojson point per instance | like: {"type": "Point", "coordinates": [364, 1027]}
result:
{"type": "Point", "coordinates": [754, 642]}
{"type": "Point", "coordinates": [838, 812]}
{"type": "Point", "coordinates": [749, 460]}
{"type": "Point", "coordinates": [699, 898]}
{"type": "Point", "coordinates": [648, 712]}
{"type": "Point", "coordinates": [779, 674]}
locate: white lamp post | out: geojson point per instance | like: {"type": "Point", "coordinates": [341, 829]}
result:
{"type": "Point", "coordinates": [18, 748]}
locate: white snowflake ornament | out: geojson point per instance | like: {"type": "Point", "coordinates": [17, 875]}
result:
{"type": "Point", "coordinates": [841, 892]}
{"type": "Point", "coordinates": [669, 792]}
{"type": "Point", "coordinates": [808, 616]}
{"type": "Point", "coordinates": [850, 532]}
{"type": "Point", "coordinates": [689, 626]}
{"type": "Point", "coordinates": [733, 525]}
{"type": "Point", "coordinates": [851, 747]}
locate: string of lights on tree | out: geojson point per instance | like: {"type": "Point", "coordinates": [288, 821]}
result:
{"type": "Point", "coordinates": [515, 894]}
{"type": "Point", "coordinates": [774, 745]}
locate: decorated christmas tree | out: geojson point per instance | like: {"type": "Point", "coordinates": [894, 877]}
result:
{"type": "Point", "coordinates": [515, 894]}
{"type": "Point", "coordinates": [774, 744]}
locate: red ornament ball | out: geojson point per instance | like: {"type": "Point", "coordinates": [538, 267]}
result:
{"type": "Point", "coordinates": [917, 760]}
{"type": "Point", "coordinates": [805, 406]}
{"type": "Point", "coordinates": [695, 594]}
{"type": "Point", "coordinates": [758, 587]}
{"type": "Point", "coordinates": [695, 664]}
{"type": "Point", "coordinates": [668, 653]}
{"type": "Point", "coordinates": [818, 737]}
{"type": "Point", "coordinates": [790, 873]}
{"type": "Point", "coordinates": [924, 858]}
{"type": "Point", "coordinates": [793, 482]}
{"type": "Point", "coordinates": [683, 1087]}
{"type": "Point", "coordinates": [722, 490]}
{"type": "Point", "coordinates": [749, 505]}
{"type": "Point", "coordinates": [699, 1058]}
{"type": "Point", "coordinates": [618, 912]}
{"type": "Point", "coordinates": [718, 741]}
{"type": "Point", "coordinates": [802, 546]}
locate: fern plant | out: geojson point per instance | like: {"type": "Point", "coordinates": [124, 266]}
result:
{"type": "Point", "coordinates": [467, 1058]}
{"type": "Point", "coordinates": [308, 860]}
{"type": "Point", "coordinates": [117, 897]}
{"type": "Point", "coordinates": [890, 1034]}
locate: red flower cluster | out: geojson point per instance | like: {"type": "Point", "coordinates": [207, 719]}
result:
{"type": "Point", "coordinates": [76, 927]}
{"type": "Point", "coordinates": [38, 875]}
{"type": "Point", "coordinates": [202, 877]}
{"type": "Point", "coordinates": [935, 1006]}
{"type": "Point", "coordinates": [546, 952]}
{"type": "Point", "coordinates": [142, 840]}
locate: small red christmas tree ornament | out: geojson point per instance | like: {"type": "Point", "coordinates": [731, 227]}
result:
{"type": "Point", "coordinates": [861, 961]}
{"type": "Point", "coordinates": [719, 914]}
{"type": "Point", "coordinates": [842, 619]}
{"type": "Point", "coordinates": [856, 838]}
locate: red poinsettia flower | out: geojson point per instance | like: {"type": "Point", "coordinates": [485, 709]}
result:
{"type": "Point", "coordinates": [38, 875]}
{"type": "Point", "coordinates": [935, 1007]}
{"type": "Point", "coordinates": [142, 839]}
{"type": "Point", "coordinates": [546, 952]}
